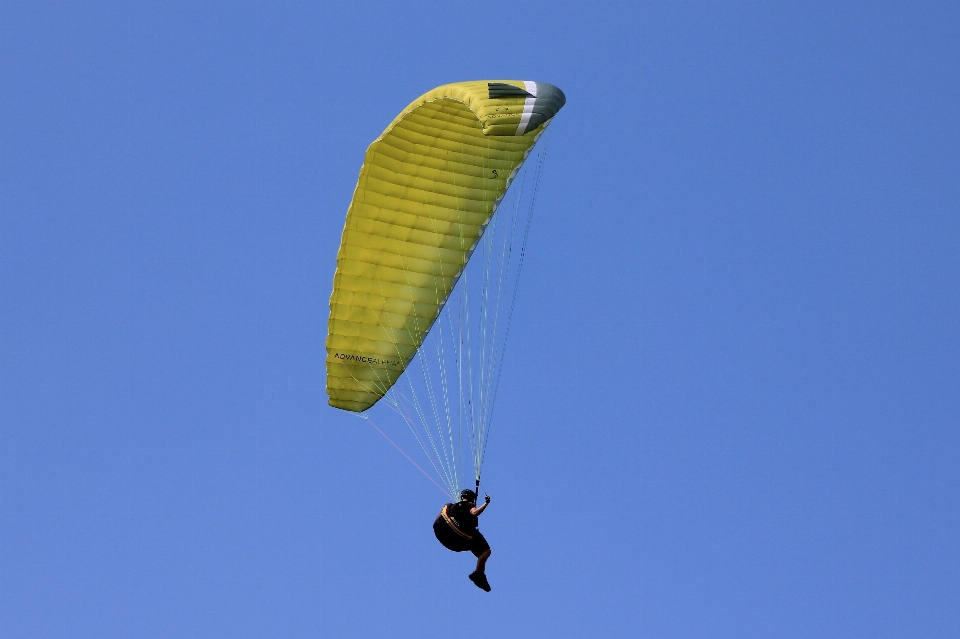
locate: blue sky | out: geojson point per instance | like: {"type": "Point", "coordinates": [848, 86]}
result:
{"type": "Point", "coordinates": [730, 407]}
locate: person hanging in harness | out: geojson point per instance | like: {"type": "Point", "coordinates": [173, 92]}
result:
{"type": "Point", "coordinates": [456, 529]}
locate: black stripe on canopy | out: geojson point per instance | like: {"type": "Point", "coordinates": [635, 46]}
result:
{"type": "Point", "coordinates": [504, 90]}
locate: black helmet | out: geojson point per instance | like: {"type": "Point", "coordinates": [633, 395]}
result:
{"type": "Point", "coordinates": [468, 495]}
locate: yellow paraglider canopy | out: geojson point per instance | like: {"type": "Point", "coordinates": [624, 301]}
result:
{"type": "Point", "coordinates": [427, 190]}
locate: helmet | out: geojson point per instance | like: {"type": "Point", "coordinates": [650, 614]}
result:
{"type": "Point", "coordinates": [468, 495]}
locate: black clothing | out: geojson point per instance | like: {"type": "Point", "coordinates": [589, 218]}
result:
{"type": "Point", "coordinates": [480, 544]}
{"type": "Point", "coordinates": [455, 536]}
{"type": "Point", "coordinates": [460, 513]}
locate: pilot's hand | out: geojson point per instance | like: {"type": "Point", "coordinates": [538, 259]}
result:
{"type": "Point", "coordinates": [486, 499]}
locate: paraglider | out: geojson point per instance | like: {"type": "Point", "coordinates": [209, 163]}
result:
{"type": "Point", "coordinates": [424, 204]}
{"type": "Point", "coordinates": [456, 528]}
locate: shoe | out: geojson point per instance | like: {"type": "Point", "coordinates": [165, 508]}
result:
{"type": "Point", "coordinates": [480, 580]}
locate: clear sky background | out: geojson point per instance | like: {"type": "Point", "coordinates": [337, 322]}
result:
{"type": "Point", "coordinates": [731, 403]}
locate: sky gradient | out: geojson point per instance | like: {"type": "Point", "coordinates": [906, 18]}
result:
{"type": "Point", "coordinates": [731, 401]}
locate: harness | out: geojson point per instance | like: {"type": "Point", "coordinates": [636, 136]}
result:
{"type": "Point", "coordinates": [453, 523]}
